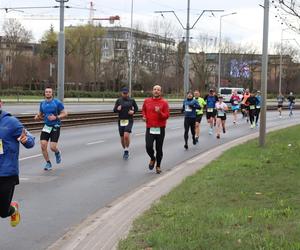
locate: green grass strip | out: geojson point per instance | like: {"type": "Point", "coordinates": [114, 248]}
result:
{"type": "Point", "coordinates": [249, 198]}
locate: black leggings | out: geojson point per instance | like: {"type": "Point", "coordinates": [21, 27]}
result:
{"type": "Point", "coordinates": [251, 115]}
{"type": "Point", "coordinates": [257, 115]}
{"type": "Point", "coordinates": [159, 140]}
{"type": "Point", "coordinates": [189, 123]}
{"type": "Point", "coordinates": [7, 188]}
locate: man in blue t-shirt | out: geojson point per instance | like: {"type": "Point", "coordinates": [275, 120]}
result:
{"type": "Point", "coordinates": [51, 111]}
{"type": "Point", "coordinates": [211, 111]}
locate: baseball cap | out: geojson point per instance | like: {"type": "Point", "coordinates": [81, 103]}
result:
{"type": "Point", "coordinates": [124, 90]}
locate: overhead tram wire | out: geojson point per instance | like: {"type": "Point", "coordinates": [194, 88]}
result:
{"type": "Point", "coordinates": [7, 9]}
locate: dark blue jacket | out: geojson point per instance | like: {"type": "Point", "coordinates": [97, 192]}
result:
{"type": "Point", "coordinates": [189, 108]}
{"type": "Point", "coordinates": [10, 130]}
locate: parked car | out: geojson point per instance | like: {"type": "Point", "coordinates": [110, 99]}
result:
{"type": "Point", "coordinates": [226, 92]}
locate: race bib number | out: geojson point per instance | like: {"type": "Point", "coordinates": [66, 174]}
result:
{"type": "Point", "coordinates": [1, 147]}
{"type": "Point", "coordinates": [235, 102]}
{"type": "Point", "coordinates": [221, 113]}
{"type": "Point", "coordinates": [188, 108]}
{"type": "Point", "coordinates": [155, 131]}
{"type": "Point", "coordinates": [258, 107]}
{"type": "Point", "coordinates": [210, 110]}
{"type": "Point", "coordinates": [252, 107]}
{"type": "Point", "coordinates": [124, 123]}
{"type": "Point", "coordinates": [47, 129]}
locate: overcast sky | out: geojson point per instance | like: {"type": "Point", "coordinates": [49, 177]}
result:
{"type": "Point", "coordinates": [245, 27]}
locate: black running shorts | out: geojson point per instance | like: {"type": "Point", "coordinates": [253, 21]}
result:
{"type": "Point", "coordinates": [125, 126]}
{"type": "Point", "coordinates": [199, 118]}
{"type": "Point", "coordinates": [211, 114]}
{"type": "Point", "coordinates": [53, 135]}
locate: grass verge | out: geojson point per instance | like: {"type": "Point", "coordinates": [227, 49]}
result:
{"type": "Point", "coordinates": [249, 198]}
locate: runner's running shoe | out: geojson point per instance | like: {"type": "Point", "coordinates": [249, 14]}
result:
{"type": "Point", "coordinates": [48, 166]}
{"type": "Point", "coordinates": [151, 164]}
{"type": "Point", "coordinates": [15, 217]}
{"type": "Point", "coordinates": [58, 157]}
{"type": "Point", "coordinates": [126, 155]}
{"type": "Point", "coordinates": [158, 170]}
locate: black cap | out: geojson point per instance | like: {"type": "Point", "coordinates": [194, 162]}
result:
{"type": "Point", "coordinates": [125, 90]}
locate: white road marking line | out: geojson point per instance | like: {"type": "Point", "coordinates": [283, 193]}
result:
{"type": "Point", "coordinates": [175, 128]}
{"type": "Point", "coordinates": [95, 142]}
{"type": "Point", "coordinates": [139, 134]}
{"type": "Point", "coordinates": [24, 179]}
{"type": "Point", "coordinates": [30, 157]}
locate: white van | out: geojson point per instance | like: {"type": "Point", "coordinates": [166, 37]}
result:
{"type": "Point", "coordinates": [226, 92]}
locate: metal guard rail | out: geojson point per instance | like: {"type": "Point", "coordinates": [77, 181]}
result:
{"type": "Point", "coordinates": [88, 118]}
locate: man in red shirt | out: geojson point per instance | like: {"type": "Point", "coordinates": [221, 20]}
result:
{"type": "Point", "coordinates": [155, 114]}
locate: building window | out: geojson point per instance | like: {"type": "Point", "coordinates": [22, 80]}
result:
{"type": "Point", "coordinates": [105, 45]}
{"type": "Point", "coordinates": [8, 59]}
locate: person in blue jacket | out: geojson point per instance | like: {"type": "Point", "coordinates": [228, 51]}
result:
{"type": "Point", "coordinates": [257, 109]}
{"type": "Point", "coordinates": [12, 133]}
{"type": "Point", "coordinates": [189, 107]}
{"type": "Point", "coordinates": [51, 111]}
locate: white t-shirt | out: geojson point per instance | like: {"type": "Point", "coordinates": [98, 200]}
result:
{"type": "Point", "coordinates": [221, 108]}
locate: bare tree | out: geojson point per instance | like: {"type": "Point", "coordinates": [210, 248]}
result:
{"type": "Point", "coordinates": [17, 38]}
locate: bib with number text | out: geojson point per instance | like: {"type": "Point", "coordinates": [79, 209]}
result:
{"type": "Point", "coordinates": [155, 131]}
{"type": "Point", "coordinates": [124, 123]}
{"type": "Point", "coordinates": [47, 129]}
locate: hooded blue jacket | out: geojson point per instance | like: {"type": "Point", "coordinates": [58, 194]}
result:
{"type": "Point", "coordinates": [10, 130]}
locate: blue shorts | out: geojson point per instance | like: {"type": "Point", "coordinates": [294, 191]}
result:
{"type": "Point", "coordinates": [234, 108]}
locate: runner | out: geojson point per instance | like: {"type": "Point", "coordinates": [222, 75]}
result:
{"type": "Point", "coordinates": [251, 106]}
{"type": "Point", "coordinates": [51, 111]}
{"type": "Point", "coordinates": [257, 109]}
{"type": "Point", "coordinates": [155, 113]}
{"type": "Point", "coordinates": [244, 105]}
{"type": "Point", "coordinates": [235, 100]}
{"type": "Point", "coordinates": [199, 113]}
{"type": "Point", "coordinates": [221, 108]}
{"type": "Point", "coordinates": [211, 112]}
{"type": "Point", "coordinates": [189, 108]}
{"type": "Point", "coordinates": [291, 100]}
{"type": "Point", "coordinates": [12, 133]}
{"type": "Point", "coordinates": [126, 107]}
{"type": "Point", "coordinates": [280, 100]}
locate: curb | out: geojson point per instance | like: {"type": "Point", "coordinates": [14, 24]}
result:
{"type": "Point", "coordinates": [106, 227]}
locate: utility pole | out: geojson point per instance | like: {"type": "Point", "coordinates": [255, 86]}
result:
{"type": "Point", "coordinates": [61, 53]}
{"type": "Point", "coordinates": [220, 43]}
{"type": "Point", "coordinates": [186, 84]}
{"type": "Point", "coordinates": [187, 29]}
{"type": "Point", "coordinates": [130, 51]}
{"type": "Point", "coordinates": [264, 76]}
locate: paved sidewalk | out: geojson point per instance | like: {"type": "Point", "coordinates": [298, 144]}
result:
{"type": "Point", "coordinates": [105, 228]}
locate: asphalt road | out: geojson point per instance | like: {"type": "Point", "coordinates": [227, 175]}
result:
{"type": "Point", "coordinates": [93, 174]}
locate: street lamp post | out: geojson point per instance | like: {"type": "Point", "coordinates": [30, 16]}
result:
{"type": "Point", "coordinates": [61, 53]}
{"type": "Point", "coordinates": [220, 42]}
{"type": "Point", "coordinates": [281, 59]}
{"type": "Point", "coordinates": [187, 54]}
{"type": "Point", "coordinates": [130, 51]}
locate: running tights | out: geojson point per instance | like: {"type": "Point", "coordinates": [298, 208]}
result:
{"type": "Point", "coordinates": [251, 115]}
{"type": "Point", "coordinates": [189, 123]}
{"type": "Point", "coordinates": [7, 188]}
{"type": "Point", "coordinates": [159, 140]}
{"type": "Point", "coordinates": [257, 115]}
